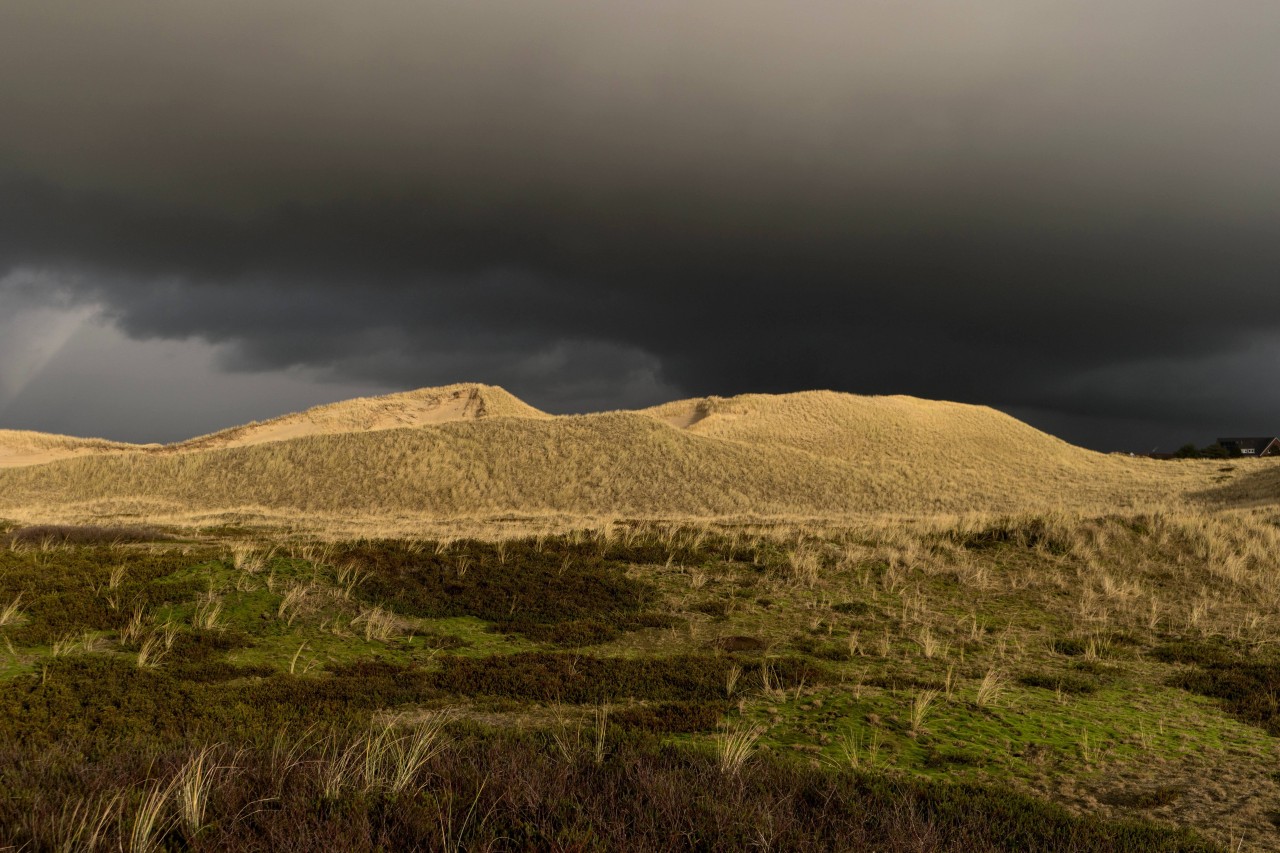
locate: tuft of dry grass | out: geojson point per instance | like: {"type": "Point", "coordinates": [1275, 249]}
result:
{"type": "Point", "coordinates": [208, 609]}
{"type": "Point", "coordinates": [248, 559]}
{"type": "Point", "coordinates": [151, 651]}
{"type": "Point", "coordinates": [930, 645]}
{"type": "Point", "coordinates": [152, 818]}
{"type": "Point", "coordinates": [735, 745]}
{"type": "Point", "coordinates": [387, 758]}
{"type": "Point", "coordinates": [378, 624]}
{"type": "Point", "coordinates": [132, 630]}
{"type": "Point", "coordinates": [84, 824]}
{"type": "Point", "coordinates": [601, 731]}
{"type": "Point", "coordinates": [731, 678]}
{"type": "Point", "coordinates": [859, 753]}
{"type": "Point", "coordinates": [805, 565]}
{"type": "Point", "coordinates": [989, 689]}
{"type": "Point", "coordinates": [292, 602]}
{"type": "Point", "coordinates": [350, 576]}
{"type": "Point", "coordinates": [64, 645]}
{"type": "Point", "coordinates": [921, 705]}
{"type": "Point", "coordinates": [293, 661]}
{"type": "Point", "coordinates": [194, 785]}
{"type": "Point", "coordinates": [11, 612]}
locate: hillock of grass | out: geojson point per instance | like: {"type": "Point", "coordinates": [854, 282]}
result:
{"type": "Point", "coordinates": [810, 454]}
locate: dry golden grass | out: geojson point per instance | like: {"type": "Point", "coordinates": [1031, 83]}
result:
{"type": "Point", "coordinates": [474, 454]}
{"type": "Point", "coordinates": [20, 448]}
{"type": "Point", "coordinates": [423, 407]}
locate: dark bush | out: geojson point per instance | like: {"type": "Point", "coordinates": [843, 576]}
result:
{"type": "Point", "coordinates": [1067, 682]}
{"type": "Point", "coordinates": [580, 679]}
{"type": "Point", "coordinates": [522, 587]}
{"type": "Point", "coordinates": [672, 717]}
{"type": "Point", "coordinates": [97, 701]}
{"type": "Point", "coordinates": [1069, 646]}
{"type": "Point", "coordinates": [711, 607]}
{"type": "Point", "coordinates": [1251, 691]}
{"type": "Point", "coordinates": [511, 793]}
{"type": "Point", "coordinates": [1200, 652]}
{"type": "Point", "coordinates": [853, 608]}
{"type": "Point", "coordinates": [740, 644]}
{"type": "Point", "coordinates": [1023, 533]}
{"type": "Point", "coordinates": [68, 591]}
{"type": "Point", "coordinates": [68, 534]}
{"type": "Point", "coordinates": [820, 649]}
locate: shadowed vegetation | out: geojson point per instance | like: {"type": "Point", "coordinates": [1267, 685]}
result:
{"type": "Point", "coordinates": [513, 793]}
{"type": "Point", "coordinates": [879, 688]}
{"type": "Point", "coordinates": [1248, 686]}
{"type": "Point", "coordinates": [581, 679]}
{"type": "Point", "coordinates": [567, 593]}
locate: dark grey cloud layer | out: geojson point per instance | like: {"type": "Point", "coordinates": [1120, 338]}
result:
{"type": "Point", "coordinates": [1071, 211]}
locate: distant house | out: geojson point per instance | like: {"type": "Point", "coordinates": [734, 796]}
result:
{"type": "Point", "coordinates": [1268, 446]}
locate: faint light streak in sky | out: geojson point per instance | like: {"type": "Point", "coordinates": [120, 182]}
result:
{"type": "Point", "coordinates": [31, 334]}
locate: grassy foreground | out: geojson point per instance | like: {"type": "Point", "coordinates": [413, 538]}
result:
{"type": "Point", "coordinates": [1022, 684]}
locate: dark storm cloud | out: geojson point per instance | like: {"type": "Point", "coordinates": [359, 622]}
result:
{"type": "Point", "coordinates": [1067, 209]}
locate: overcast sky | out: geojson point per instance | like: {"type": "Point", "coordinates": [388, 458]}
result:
{"type": "Point", "coordinates": [212, 212]}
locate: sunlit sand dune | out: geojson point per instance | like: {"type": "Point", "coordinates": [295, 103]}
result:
{"type": "Point", "coordinates": [477, 451]}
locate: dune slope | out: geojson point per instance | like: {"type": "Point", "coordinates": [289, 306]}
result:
{"type": "Point", "coordinates": [478, 451]}
{"type": "Point", "coordinates": [423, 407]}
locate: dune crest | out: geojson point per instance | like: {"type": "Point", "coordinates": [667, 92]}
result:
{"type": "Point", "coordinates": [19, 448]}
{"type": "Point", "coordinates": [477, 451]}
{"type": "Point", "coordinates": [423, 407]}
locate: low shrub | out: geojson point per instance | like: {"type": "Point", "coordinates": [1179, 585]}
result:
{"type": "Point", "coordinates": [1212, 652]}
{"type": "Point", "coordinates": [711, 607]}
{"type": "Point", "coordinates": [582, 679]}
{"type": "Point", "coordinates": [67, 534]}
{"type": "Point", "coordinates": [1250, 691]}
{"type": "Point", "coordinates": [820, 649]}
{"type": "Point", "coordinates": [672, 717]}
{"type": "Point", "coordinates": [71, 590]}
{"type": "Point", "coordinates": [556, 592]}
{"type": "Point", "coordinates": [96, 701]}
{"type": "Point", "coordinates": [1067, 682]}
{"type": "Point", "coordinates": [509, 792]}
{"type": "Point", "coordinates": [740, 643]}
{"type": "Point", "coordinates": [1069, 646]}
